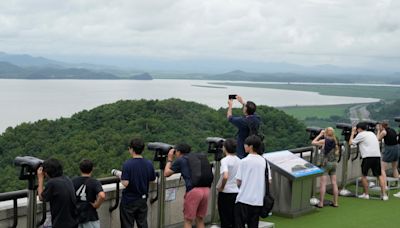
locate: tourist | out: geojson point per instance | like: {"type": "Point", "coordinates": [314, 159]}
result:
{"type": "Point", "coordinates": [60, 192]}
{"type": "Point", "coordinates": [244, 124]}
{"type": "Point", "coordinates": [371, 157]}
{"type": "Point", "coordinates": [227, 186]}
{"type": "Point", "coordinates": [330, 149]}
{"type": "Point", "coordinates": [195, 202]}
{"type": "Point", "coordinates": [137, 173]}
{"type": "Point", "coordinates": [89, 195]}
{"type": "Point", "coordinates": [250, 178]}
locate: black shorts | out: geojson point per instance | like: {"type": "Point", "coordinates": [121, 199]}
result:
{"type": "Point", "coordinates": [373, 163]}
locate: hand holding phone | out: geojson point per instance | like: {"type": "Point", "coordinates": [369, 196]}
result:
{"type": "Point", "coordinates": [232, 96]}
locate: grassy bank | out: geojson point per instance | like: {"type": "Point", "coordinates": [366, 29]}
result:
{"type": "Point", "coordinates": [379, 92]}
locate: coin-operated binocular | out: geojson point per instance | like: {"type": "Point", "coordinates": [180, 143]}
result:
{"type": "Point", "coordinates": [161, 152]}
{"type": "Point", "coordinates": [346, 130]}
{"type": "Point", "coordinates": [371, 125]}
{"type": "Point", "coordinates": [314, 131]}
{"type": "Point", "coordinates": [29, 166]}
{"type": "Point", "coordinates": [215, 145]}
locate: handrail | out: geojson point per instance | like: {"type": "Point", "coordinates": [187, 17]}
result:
{"type": "Point", "coordinates": [112, 180]}
{"type": "Point", "coordinates": [301, 150]}
{"type": "Point", "coordinates": [19, 194]}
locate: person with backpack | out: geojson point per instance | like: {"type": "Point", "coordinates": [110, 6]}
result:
{"type": "Point", "coordinates": [89, 196]}
{"type": "Point", "coordinates": [227, 187]}
{"type": "Point", "coordinates": [330, 148]}
{"type": "Point", "coordinates": [248, 124]}
{"type": "Point", "coordinates": [197, 174]}
{"type": "Point", "coordinates": [251, 180]}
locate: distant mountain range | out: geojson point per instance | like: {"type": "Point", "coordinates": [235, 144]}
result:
{"type": "Point", "coordinates": [29, 67]}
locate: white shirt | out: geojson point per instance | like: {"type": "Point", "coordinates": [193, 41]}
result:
{"type": "Point", "coordinates": [368, 144]}
{"type": "Point", "coordinates": [230, 164]}
{"type": "Point", "coordinates": [251, 173]}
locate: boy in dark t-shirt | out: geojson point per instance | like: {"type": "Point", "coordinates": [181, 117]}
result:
{"type": "Point", "coordinates": [90, 194]}
{"type": "Point", "coordinates": [59, 191]}
{"type": "Point", "coordinates": [137, 173]}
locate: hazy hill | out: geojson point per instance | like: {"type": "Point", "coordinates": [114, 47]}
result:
{"type": "Point", "coordinates": [8, 70]}
{"type": "Point", "coordinates": [102, 134]}
{"type": "Point", "coordinates": [28, 60]}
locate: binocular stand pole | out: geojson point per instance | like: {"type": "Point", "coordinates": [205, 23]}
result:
{"type": "Point", "coordinates": [345, 160]}
{"type": "Point", "coordinates": [161, 197]}
{"type": "Point", "coordinates": [32, 196]}
{"type": "Point", "coordinates": [214, 218]}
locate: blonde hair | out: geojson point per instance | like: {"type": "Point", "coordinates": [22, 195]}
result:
{"type": "Point", "coordinates": [330, 132]}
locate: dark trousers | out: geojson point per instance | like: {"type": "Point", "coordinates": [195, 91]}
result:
{"type": "Point", "coordinates": [135, 211]}
{"type": "Point", "coordinates": [247, 214]}
{"type": "Point", "coordinates": [226, 209]}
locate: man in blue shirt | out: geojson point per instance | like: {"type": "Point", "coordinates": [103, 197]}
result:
{"type": "Point", "coordinates": [242, 122]}
{"type": "Point", "coordinates": [137, 172]}
{"type": "Point", "coordinates": [195, 202]}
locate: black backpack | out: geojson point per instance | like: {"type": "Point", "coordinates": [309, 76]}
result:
{"type": "Point", "coordinates": [200, 170]}
{"type": "Point", "coordinates": [254, 127]}
{"type": "Point", "coordinates": [82, 207]}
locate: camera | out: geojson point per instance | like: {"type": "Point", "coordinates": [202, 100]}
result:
{"type": "Point", "coordinates": [232, 96]}
{"type": "Point", "coordinates": [161, 150]}
{"type": "Point", "coordinates": [314, 131]}
{"type": "Point", "coordinates": [29, 166]}
{"type": "Point", "coordinates": [346, 130]}
{"type": "Point", "coordinates": [116, 172]}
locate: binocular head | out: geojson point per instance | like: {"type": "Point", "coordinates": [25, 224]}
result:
{"type": "Point", "coordinates": [314, 131]}
{"type": "Point", "coordinates": [29, 166]}
{"type": "Point", "coordinates": [161, 150]}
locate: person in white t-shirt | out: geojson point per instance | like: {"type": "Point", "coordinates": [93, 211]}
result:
{"type": "Point", "coordinates": [227, 187]}
{"type": "Point", "coordinates": [250, 178]}
{"type": "Point", "coordinates": [371, 157]}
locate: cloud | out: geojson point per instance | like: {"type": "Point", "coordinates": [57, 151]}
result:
{"type": "Point", "coordinates": [345, 32]}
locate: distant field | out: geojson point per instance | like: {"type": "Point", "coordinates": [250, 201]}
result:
{"type": "Point", "coordinates": [379, 92]}
{"type": "Point", "coordinates": [302, 112]}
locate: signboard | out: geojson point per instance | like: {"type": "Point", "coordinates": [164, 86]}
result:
{"type": "Point", "coordinates": [291, 164]}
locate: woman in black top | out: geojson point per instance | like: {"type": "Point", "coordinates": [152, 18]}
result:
{"type": "Point", "coordinates": [329, 151]}
{"type": "Point", "coordinates": [391, 149]}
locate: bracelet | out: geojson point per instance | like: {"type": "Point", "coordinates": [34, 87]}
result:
{"type": "Point", "coordinates": [169, 161]}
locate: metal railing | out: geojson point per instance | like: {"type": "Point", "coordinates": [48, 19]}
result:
{"type": "Point", "coordinates": [20, 194]}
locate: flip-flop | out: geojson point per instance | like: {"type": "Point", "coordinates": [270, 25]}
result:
{"type": "Point", "coordinates": [333, 205]}
{"type": "Point", "coordinates": [318, 206]}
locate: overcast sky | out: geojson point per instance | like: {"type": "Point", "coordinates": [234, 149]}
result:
{"type": "Point", "coordinates": [308, 32]}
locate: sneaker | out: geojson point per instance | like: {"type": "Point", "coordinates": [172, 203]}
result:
{"type": "Point", "coordinates": [397, 195]}
{"type": "Point", "coordinates": [363, 196]}
{"type": "Point", "coordinates": [385, 197]}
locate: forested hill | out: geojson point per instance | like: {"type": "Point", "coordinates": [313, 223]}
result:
{"type": "Point", "coordinates": [102, 134]}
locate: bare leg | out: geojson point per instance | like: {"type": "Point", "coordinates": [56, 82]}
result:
{"type": "Point", "coordinates": [200, 222]}
{"type": "Point", "coordinates": [322, 189]}
{"type": "Point", "coordinates": [383, 173]}
{"type": "Point", "coordinates": [335, 190]}
{"type": "Point", "coordinates": [364, 183]}
{"type": "Point", "coordinates": [187, 223]}
{"type": "Point", "coordinates": [382, 183]}
{"type": "Point", "coordinates": [395, 171]}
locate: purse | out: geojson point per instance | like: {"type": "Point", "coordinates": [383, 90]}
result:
{"type": "Point", "coordinates": [268, 202]}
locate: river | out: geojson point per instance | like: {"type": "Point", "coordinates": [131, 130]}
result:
{"type": "Point", "coordinates": [31, 100]}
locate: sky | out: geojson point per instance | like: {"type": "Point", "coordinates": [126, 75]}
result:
{"type": "Point", "coordinates": [352, 33]}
